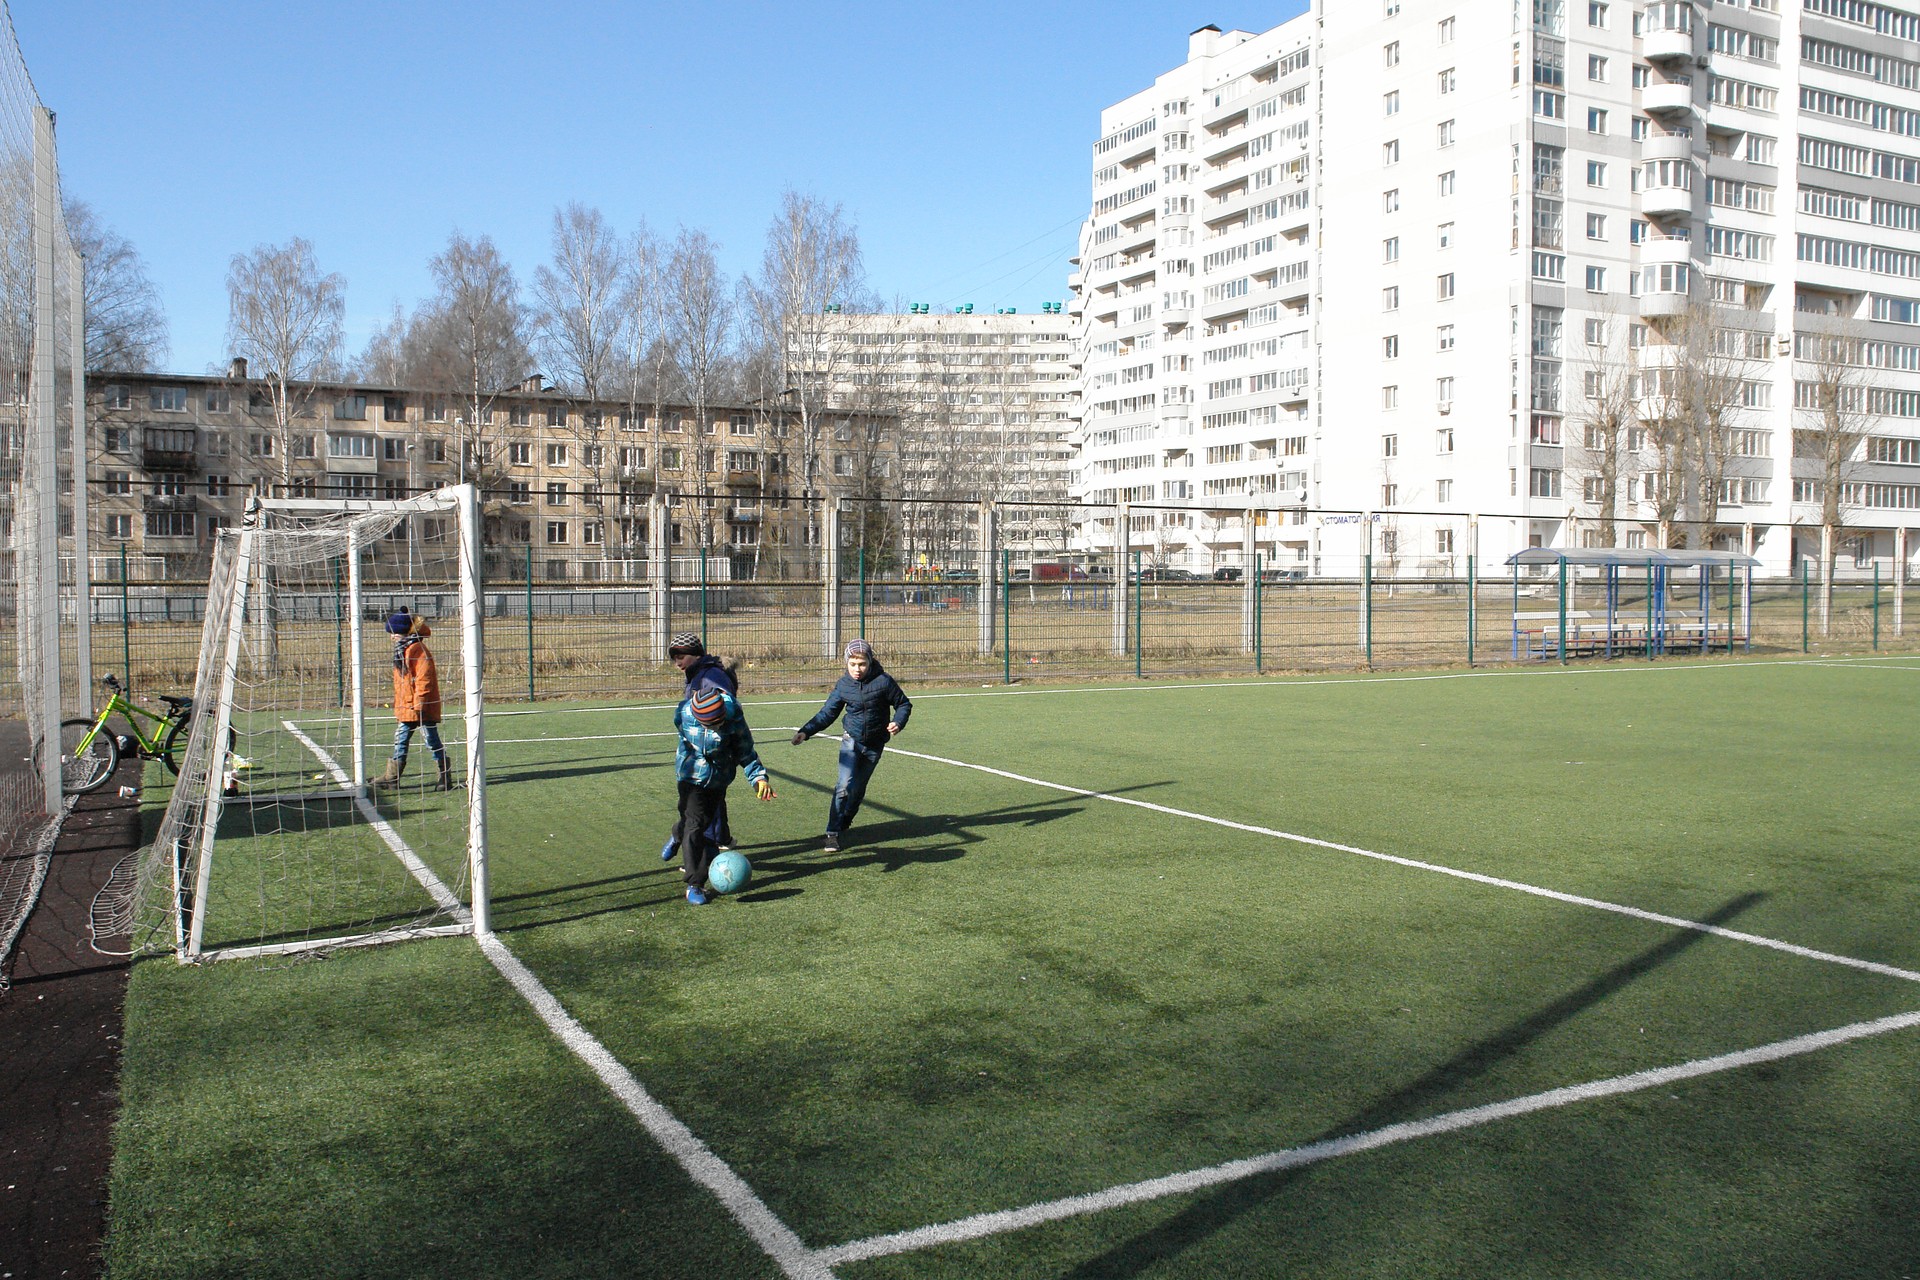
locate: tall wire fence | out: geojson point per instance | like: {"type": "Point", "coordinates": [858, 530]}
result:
{"type": "Point", "coordinates": [989, 593]}
{"type": "Point", "coordinates": [42, 435]}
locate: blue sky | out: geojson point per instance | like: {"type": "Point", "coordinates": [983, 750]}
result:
{"type": "Point", "coordinates": [954, 135]}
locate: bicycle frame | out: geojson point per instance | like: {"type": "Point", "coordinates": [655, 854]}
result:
{"type": "Point", "coordinates": [118, 702]}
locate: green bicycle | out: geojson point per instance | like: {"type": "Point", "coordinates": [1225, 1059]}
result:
{"type": "Point", "coordinates": [90, 752]}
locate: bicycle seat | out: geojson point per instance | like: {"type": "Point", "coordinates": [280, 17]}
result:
{"type": "Point", "coordinates": [177, 704]}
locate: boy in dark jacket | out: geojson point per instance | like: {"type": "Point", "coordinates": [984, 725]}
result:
{"type": "Point", "coordinates": [877, 708]}
{"type": "Point", "coordinates": [714, 743]}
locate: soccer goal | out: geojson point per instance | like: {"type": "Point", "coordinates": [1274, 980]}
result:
{"type": "Point", "coordinates": [280, 835]}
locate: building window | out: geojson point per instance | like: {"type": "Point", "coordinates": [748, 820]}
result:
{"type": "Point", "coordinates": [557, 416]}
{"type": "Point", "coordinates": [1445, 333]}
{"type": "Point", "coordinates": [168, 399]}
{"type": "Point", "coordinates": [1595, 331]}
{"type": "Point", "coordinates": [556, 493]}
{"type": "Point", "coordinates": [120, 528]}
{"type": "Point", "coordinates": [1443, 286]}
{"type": "Point", "coordinates": [1596, 120]}
{"type": "Point", "coordinates": [1543, 482]}
{"type": "Point", "coordinates": [670, 459]}
{"type": "Point", "coordinates": [1639, 129]}
{"type": "Point", "coordinates": [1390, 201]}
{"type": "Point", "coordinates": [394, 408]}
{"type": "Point", "coordinates": [1390, 152]}
{"type": "Point", "coordinates": [1446, 183]}
{"type": "Point", "coordinates": [1448, 80]}
{"type": "Point", "coordinates": [436, 450]}
{"type": "Point", "coordinates": [1443, 236]}
{"type": "Point", "coordinates": [1597, 15]}
{"type": "Point", "coordinates": [1390, 298]}
{"type": "Point", "coordinates": [1596, 226]}
{"type": "Point", "coordinates": [519, 454]}
{"type": "Point", "coordinates": [519, 492]}
{"type": "Point", "coordinates": [1390, 249]}
{"type": "Point", "coordinates": [119, 482]}
{"type": "Point", "coordinates": [1596, 173]}
{"type": "Point", "coordinates": [170, 524]}
{"type": "Point", "coordinates": [556, 533]}
{"type": "Point", "coordinates": [1389, 397]}
{"type": "Point", "coordinates": [350, 409]}
{"type": "Point", "coordinates": [219, 400]}
{"type": "Point", "coordinates": [1446, 133]}
{"type": "Point", "coordinates": [1390, 347]}
{"type": "Point", "coordinates": [116, 398]}
{"type": "Point", "coordinates": [1446, 31]}
{"type": "Point", "coordinates": [1392, 52]}
{"type": "Point", "coordinates": [218, 486]}
{"type": "Point", "coordinates": [1443, 492]}
{"type": "Point", "coordinates": [519, 416]}
{"type": "Point", "coordinates": [1596, 279]}
{"type": "Point", "coordinates": [1443, 393]}
{"type": "Point", "coordinates": [1390, 446]}
{"type": "Point", "coordinates": [349, 446]}
{"type": "Point", "coordinates": [556, 455]}
{"type": "Point", "coordinates": [1443, 440]}
{"type": "Point", "coordinates": [1596, 68]}
{"type": "Point", "coordinates": [1389, 496]}
{"type": "Point", "coordinates": [1392, 102]}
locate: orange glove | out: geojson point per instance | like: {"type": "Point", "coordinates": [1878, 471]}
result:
{"type": "Point", "coordinates": [763, 789]}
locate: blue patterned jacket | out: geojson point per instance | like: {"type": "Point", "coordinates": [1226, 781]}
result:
{"type": "Point", "coordinates": [709, 755]}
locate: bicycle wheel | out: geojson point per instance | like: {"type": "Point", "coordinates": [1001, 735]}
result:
{"type": "Point", "coordinates": [175, 733]}
{"type": "Point", "coordinates": [82, 771]}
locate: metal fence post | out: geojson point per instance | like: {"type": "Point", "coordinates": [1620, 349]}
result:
{"type": "Point", "coordinates": [1139, 633]}
{"type": "Point", "coordinates": [1806, 607]}
{"type": "Point", "coordinates": [830, 573]}
{"type": "Point", "coordinates": [1470, 619]}
{"type": "Point", "coordinates": [1006, 612]}
{"type": "Point", "coordinates": [126, 624]}
{"type": "Point", "coordinates": [530, 686]}
{"type": "Point", "coordinates": [1122, 537]}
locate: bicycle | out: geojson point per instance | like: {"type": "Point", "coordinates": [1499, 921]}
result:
{"type": "Point", "coordinates": [90, 752]}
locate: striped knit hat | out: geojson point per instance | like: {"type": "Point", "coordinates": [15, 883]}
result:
{"type": "Point", "coordinates": [859, 649]}
{"type": "Point", "coordinates": [710, 707]}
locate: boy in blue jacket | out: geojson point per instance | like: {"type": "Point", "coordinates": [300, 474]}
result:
{"type": "Point", "coordinates": [714, 743]}
{"type": "Point", "coordinates": [877, 708]}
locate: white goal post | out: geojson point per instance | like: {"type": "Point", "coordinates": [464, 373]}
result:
{"type": "Point", "coordinates": [281, 836]}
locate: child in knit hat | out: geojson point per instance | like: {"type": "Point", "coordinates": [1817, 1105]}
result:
{"type": "Point", "coordinates": [714, 743]}
{"type": "Point", "coordinates": [877, 708]}
{"type": "Point", "coordinates": [416, 698]}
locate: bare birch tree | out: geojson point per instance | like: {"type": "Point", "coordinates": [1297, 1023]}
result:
{"type": "Point", "coordinates": [470, 341]}
{"type": "Point", "coordinates": [1832, 381]}
{"type": "Point", "coordinates": [699, 322]}
{"type": "Point", "coordinates": [284, 317]}
{"type": "Point", "coordinates": [1602, 454]}
{"type": "Point", "coordinates": [812, 262]}
{"type": "Point", "coordinates": [126, 326]}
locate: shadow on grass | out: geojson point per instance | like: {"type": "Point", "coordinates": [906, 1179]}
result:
{"type": "Point", "coordinates": [1150, 1249]}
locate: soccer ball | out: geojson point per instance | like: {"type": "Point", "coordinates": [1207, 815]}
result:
{"type": "Point", "coordinates": [729, 872]}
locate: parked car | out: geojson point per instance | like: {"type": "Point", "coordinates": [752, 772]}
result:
{"type": "Point", "coordinates": [1285, 577]}
{"type": "Point", "coordinates": [1228, 574]}
{"type": "Point", "coordinates": [960, 575]}
{"type": "Point", "coordinates": [1169, 575]}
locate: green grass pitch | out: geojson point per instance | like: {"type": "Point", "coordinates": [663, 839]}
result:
{"type": "Point", "coordinates": [1086, 940]}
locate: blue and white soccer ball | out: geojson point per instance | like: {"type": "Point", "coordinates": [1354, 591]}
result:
{"type": "Point", "coordinates": [729, 872]}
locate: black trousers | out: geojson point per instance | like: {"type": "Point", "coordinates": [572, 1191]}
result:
{"type": "Point", "coordinates": [698, 808]}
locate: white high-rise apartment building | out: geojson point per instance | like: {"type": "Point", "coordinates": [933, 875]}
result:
{"type": "Point", "coordinates": [984, 403]}
{"type": "Point", "coordinates": [1400, 263]}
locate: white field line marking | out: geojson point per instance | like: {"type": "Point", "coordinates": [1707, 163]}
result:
{"type": "Point", "coordinates": [987, 1224]}
{"type": "Point", "coordinates": [585, 737]}
{"type": "Point", "coordinates": [693, 1155]}
{"type": "Point", "coordinates": [1497, 882]}
{"type": "Point", "coordinates": [442, 896]}
{"type": "Point", "coordinates": [1862, 666]}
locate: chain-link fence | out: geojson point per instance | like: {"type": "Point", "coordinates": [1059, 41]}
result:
{"type": "Point", "coordinates": [961, 591]}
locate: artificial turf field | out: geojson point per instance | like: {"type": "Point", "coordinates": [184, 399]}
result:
{"type": "Point", "coordinates": [1605, 971]}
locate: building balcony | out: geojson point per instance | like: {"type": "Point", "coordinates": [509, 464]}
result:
{"type": "Point", "coordinates": [1666, 249]}
{"type": "Point", "coordinates": [352, 466]}
{"type": "Point", "coordinates": [1666, 146]}
{"type": "Point", "coordinates": [1672, 98]}
{"type": "Point", "coordinates": [1666, 45]}
{"type": "Point", "coordinates": [169, 502]}
{"type": "Point", "coordinates": [166, 458]}
{"type": "Point", "coordinates": [1666, 202]}
{"type": "Point", "coordinates": [1660, 306]}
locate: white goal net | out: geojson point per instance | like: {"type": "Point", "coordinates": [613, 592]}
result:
{"type": "Point", "coordinates": [294, 825]}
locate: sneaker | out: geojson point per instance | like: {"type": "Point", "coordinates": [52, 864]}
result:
{"type": "Point", "coordinates": [723, 848]}
{"type": "Point", "coordinates": [666, 850]}
{"type": "Point", "coordinates": [696, 897]}
{"type": "Point", "coordinates": [833, 842]}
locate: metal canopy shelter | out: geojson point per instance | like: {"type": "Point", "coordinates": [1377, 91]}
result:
{"type": "Point", "coordinates": [1659, 627]}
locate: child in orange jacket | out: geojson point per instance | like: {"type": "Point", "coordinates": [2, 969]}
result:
{"type": "Point", "coordinates": [416, 698]}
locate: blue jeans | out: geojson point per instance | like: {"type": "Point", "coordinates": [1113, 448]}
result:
{"type": "Point", "coordinates": [403, 734]}
{"type": "Point", "coordinates": [857, 763]}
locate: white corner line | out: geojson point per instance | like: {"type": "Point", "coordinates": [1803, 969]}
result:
{"type": "Point", "coordinates": [693, 1155]}
{"type": "Point", "coordinates": [1678, 922]}
{"type": "Point", "coordinates": [987, 1224]}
